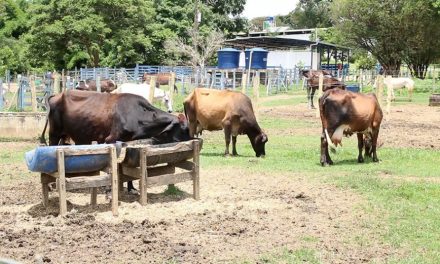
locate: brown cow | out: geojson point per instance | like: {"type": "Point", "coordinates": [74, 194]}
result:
{"type": "Point", "coordinates": [312, 77]}
{"type": "Point", "coordinates": [346, 113]}
{"type": "Point", "coordinates": [107, 85]}
{"type": "Point", "coordinates": [232, 111]}
{"type": "Point", "coordinates": [162, 78]}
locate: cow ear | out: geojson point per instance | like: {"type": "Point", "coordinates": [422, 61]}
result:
{"type": "Point", "coordinates": [264, 138]}
{"type": "Point", "coordinates": [181, 117]}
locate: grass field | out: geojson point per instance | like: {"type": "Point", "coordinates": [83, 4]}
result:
{"type": "Point", "coordinates": [400, 194]}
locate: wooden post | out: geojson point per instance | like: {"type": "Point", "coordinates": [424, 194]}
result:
{"type": "Point", "coordinates": [379, 91]}
{"type": "Point", "coordinates": [98, 83]}
{"type": "Point", "coordinates": [243, 83]}
{"type": "Point", "coordinates": [361, 77]}
{"type": "Point", "coordinates": [56, 82]}
{"type": "Point", "coordinates": [171, 84]}
{"type": "Point", "coordinates": [63, 81]}
{"type": "Point", "coordinates": [321, 84]}
{"type": "Point", "coordinates": [256, 92]}
{"type": "Point", "coordinates": [152, 88]}
{"type": "Point", "coordinates": [33, 93]}
{"type": "Point", "coordinates": [144, 177]}
{"type": "Point", "coordinates": [196, 176]}
{"type": "Point", "coordinates": [45, 189]}
{"type": "Point", "coordinates": [61, 182]}
{"type": "Point", "coordinates": [233, 79]}
{"type": "Point", "coordinates": [115, 180]}
{"type": "Point", "coordinates": [389, 92]}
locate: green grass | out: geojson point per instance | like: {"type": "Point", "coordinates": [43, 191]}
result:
{"type": "Point", "coordinates": [402, 190]}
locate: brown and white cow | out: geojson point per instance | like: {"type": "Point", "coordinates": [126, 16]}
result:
{"type": "Point", "coordinates": [344, 113]}
{"type": "Point", "coordinates": [107, 85]}
{"type": "Point", "coordinates": [162, 78]}
{"type": "Point", "coordinates": [312, 77]}
{"type": "Point", "coordinates": [208, 109]}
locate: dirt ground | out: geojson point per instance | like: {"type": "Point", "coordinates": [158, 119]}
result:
{"type": "Point", "coordinates": [240, 216]}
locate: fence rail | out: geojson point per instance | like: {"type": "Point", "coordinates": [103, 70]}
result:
{"type": "Point", "coordinates": [16, 92]}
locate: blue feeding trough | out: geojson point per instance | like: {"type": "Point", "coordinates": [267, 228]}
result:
{"type": "Point", "coordinates": [352, 87]}
{"type": "Point", "coordinates": [259, 58]}
{"type": "Point", "coordinates": [228, 58]}
{"type": "Point", "coordinates": [44, 159]}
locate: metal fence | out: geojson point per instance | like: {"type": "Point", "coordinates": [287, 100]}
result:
{"type": "Point", "coordinates": [15, 90]}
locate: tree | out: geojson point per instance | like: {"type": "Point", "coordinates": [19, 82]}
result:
{"type": "Point", "coordinates": [391, 30]}
{"type": "Point", "coordinates": [68, 33]}
{"type": "Point", "coordinates": [197, 51]}
{"type": "Point", "coordinates": [310, 14]}
{"type": "Point", "coordinates": [12, 28]}
{"type": "Point", "coordinates": [423, 32]}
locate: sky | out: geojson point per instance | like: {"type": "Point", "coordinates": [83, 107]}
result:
{"type": "Point", "coordinates": [258, 8]}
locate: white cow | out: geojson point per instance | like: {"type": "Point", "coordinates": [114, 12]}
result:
{"type": "Point", "coordinates": [398, 83]}
{"type": "Point", "coordinates": [143, 90]}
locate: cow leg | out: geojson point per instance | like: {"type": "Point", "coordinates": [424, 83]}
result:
{"type": "Point", "coordinates": [325, 156]}
{"type": "Point", "coordinates": [374, 144]}
{"type": "Point", "coordinates": [234, 149]}
{"type": "Point", "coordinates": [310, 97]}
{"type": "Point", "coordinates": [228, 132]}
{"type": "Point", "coordinates": [360, 137]}
{"type": "Point", "coordinates": [312, 94]}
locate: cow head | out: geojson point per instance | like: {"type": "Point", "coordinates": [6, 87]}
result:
{"type": "Point", "coordinates": [258, 144]}
{"type": "Point", "coordinates": [176, 131]}
{"type": "Point", "coordinates": [168, 102]}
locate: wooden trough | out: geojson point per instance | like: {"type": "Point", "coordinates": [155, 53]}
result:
{"type": "Point", "coordinates": [434, 100]}
{"type": "Point", "coordinates": [155, 165]}
{"type": "Point", "coordinates": [72, 181]}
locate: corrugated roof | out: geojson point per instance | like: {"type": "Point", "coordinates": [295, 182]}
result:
{"type": "Point", "coordinates": [277, 43]}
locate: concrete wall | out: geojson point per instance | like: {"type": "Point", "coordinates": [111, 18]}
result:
{"type": "Point", "coordinates": [21, 125]}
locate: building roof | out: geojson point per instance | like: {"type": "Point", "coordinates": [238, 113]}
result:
{"type": "Point", "coordinates": [278, 43]}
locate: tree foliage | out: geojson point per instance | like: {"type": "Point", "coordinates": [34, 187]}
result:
{"type": "Point", "coordinates": [394, 31]}
{"type": "Point", "coordinates": [48, 34]}
{"type": "Point", "coordinates": [310, 14]}
{"type": "Point", "coordinates": [13, 21]}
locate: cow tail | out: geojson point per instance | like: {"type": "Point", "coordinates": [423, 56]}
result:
{"type": "Point", "coordinates": [42, 139]}
{"type": "Point", "coordinates": [322, 102]}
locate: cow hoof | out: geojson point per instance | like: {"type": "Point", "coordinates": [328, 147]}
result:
{"type": "Point", "coordinates": [326, 164]}
{"type": "Point", "coordinates": [235, 154]}
{"type": "Point", "coordinates": [375, 160]}
{"type": "Point", "coordinates": [361, 160]}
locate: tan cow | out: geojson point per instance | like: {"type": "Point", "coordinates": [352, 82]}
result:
{"type": "Point", "coordinates": [209, 109]}
{"type": "Point", "coordinates": [344, 113]}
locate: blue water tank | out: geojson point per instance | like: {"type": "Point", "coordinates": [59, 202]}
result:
{"type": "Point", "coordinates": [259, 58]}
{"type": "Point", "coordinates": [228, 58]}
{"type": "Point", "coordinates": [352, 87]}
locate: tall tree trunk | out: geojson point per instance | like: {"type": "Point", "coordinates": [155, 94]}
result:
{"type": "Point", "coordinates": [391, 69]}
{"type": "Point", "coordinates": [418, 70]}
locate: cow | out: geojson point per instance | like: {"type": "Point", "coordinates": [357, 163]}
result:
{"type": "Point", "coordinates": [398, 83]}
{"type": "Point", "coordinates": [143, 90]}
{"type": "Point", "coordinates": [312, 77]}
{"type": "Point", "coordinates": [107, 85]}
{"type": "Point", "coordinates": [345, 113]}
{"type": "Point", "coordinates": [162, 78]}
{"type": "Point", "coordinates": [208, 109]}
{"type": "Point", "coordinates": [84, 116]}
